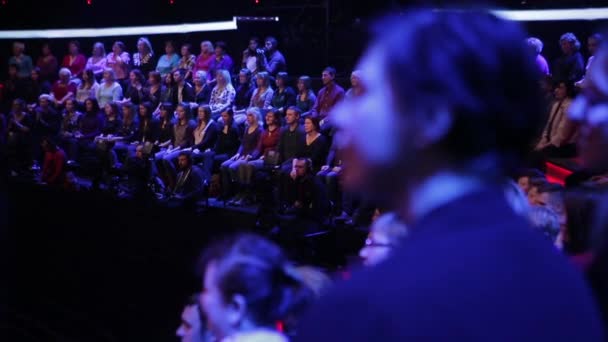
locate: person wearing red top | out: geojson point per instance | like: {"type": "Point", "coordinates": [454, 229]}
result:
{"type": "Point", "coordinates": [328, 97]}
{"type": "Point", "coordinates": [75, 61]}
{"type": "Point", "coordinates": [204, 60]}
{"type": "Point", "coordinates": [53, 169]}
{"type": "Point", "coordinates": [63, 89]}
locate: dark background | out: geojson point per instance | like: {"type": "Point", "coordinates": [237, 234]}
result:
{"type": "Point", "coordinates": [88, 268]}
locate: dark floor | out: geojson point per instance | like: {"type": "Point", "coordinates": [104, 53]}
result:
{"type": "Point", "coordinates": [90, 267]}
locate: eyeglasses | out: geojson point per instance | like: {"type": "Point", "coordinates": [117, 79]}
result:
{"type": "Point", "coordinates": [371, 243]}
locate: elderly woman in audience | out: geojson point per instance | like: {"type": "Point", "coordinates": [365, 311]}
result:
{"type": "Point", "coordinates": [249, 285]}
{"type": "Point", "coordinates": [143, 59]}
{"type": "Point", "coordinates": [262, 95]}
{"type": "Point", "coordinates": [221, 60]}
{"type": "Point", "coordinates": [357, 87]}
{"type": "Point", "coordinates": [247, 151]}
{"type": "Point", "coordinates": [187, 60]}
{"type": "Point", "coordinates": [222, 95]}
{"type": "Point", "coordinates": [109, 90]}
{"type": "Point", "coordinates": [284, 97]}
{"type": "Point", "coordinates": [386, 233]}
{"type": "Point", "coordinates": [47, 62]}
{"type": "Point", "coordinates": [119, 61]}
{"type": "Point", "coordinates": [98, 61]}
{"type": "Point", "coordinates": [202, 90]}
{"type": "Point", "coordinates": [204, 60]}
{"type": "Point", "coordinates": [88, 87]}
{"type": "Point", "coordinates": [74, 60]}
{"type": "Point", "coordinates": [570, 67]}
{"type": "Point", "coordinates": [536, 46]}
{"type": "Point", "coordinates": [306, 96]}
{"type": "Point", "coordinates": [64, 88]}
{"type": "Point", "coordinates": [168, 62]}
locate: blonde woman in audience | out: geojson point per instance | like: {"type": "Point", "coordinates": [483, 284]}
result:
{"type": "Point", "coordinates": [386, 233]}
{"type": "Point", "coordinates": [143, 59]}
{"type": "Point", "coordinates": [109, 90]}
{"type": "Point", "coordinates": [222, 95]}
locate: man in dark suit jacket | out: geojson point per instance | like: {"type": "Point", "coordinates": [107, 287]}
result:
{"type": "Point", "coordinates": [445, 120]}
{"type": "Point", "coordinates": [189, 183]}
{"type": "Point", "coordinates": [183, 91]}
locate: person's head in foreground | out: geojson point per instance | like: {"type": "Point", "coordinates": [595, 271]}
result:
{"type": "Point", "coordinates": [191, 328]}
{"type": "Point", "coordinates": [439, 104]}
{"type": "Point", "coordinates": [385, 234]}
{"type": "Point", "coordinates": [249, 285]}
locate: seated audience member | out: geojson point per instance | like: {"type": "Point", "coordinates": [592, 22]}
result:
{"type": "Point", "coordinates": [205, 133]}
{"type": "Point", "coordinates": [536, 46]}
{"type": "Point", "coordinates": [227, 144]}
{"type": "Point", "coordinates": [307, 202]}
{"type": "Point", "coordinates": [244, 91]}
{"type": "Point", "coordinates": [14, 87]}
{"type": "Point", "coordinates": [306, 96]}
{"type": "Point", "coordinates": [315, 146]}
{"type": "Point", "coordinates": [357, 88]}
{"type": "Point", "coordinates": [386, 234]}
{"type": "Point", "coordinates": [139, 171]}
{"type": "Point", "coordinates": [148, 127]}
{"type": "Point", "coordinates": [192, 327]}
{"type": "Point", "coordinates": [74, 60]}
{"type": "Point", "coordinates": [165, 118]}
{"type": "Point", "coordinates": [47, 121]}
{"type": "Point", "coordinates": [205, 58]}
{"type": "Point", "coordinates": [63, 89]}
{"type": "Point", "coordinates": [98, 61]}
{"type": "Point", "coordinates": [35, 86]}
{"type": "Point", "coordinates": [144, 59]}
{"type": "Point", "coordinates": [546, 221]}
{"type": "Point", "coordinates": [70, 129]}
{"type": "Point", "coordinates": [154, 89]}
{"type": "Point", "coordinates": [109, 90]}
{"type": "Point", "coordinates": [183, 91]}
{"type": "Point", "coordinates": [291, 141]}
{"type": "Point", "coordinates": [135, 93]}
{"type": "Point", "coordinates": [21, 60]}
{"type": "Point", "coordinates": [87, 87]}
{"type": "Point", "coordinates": [284, 97]}
{"type": "Point", "coordinates": [53, 168]}
{"type": "Point", "coordinates": [19, 137]}
{"type": "Point", "coordinates": [118, 60]}
{"type": "Point", "coordinates": [222, 95]}
{"type": "Point", "coordinates": [444, 107]}
{"type": "Point", "coordinates": [524, 177]}
{"type": "Point", "coordinates": [593, 43]}
{"type": "Point", "coordinates": [266, 152]}
{"type": "Point", "coordinates": [250, 285]}
{"type": "Point", "coordinates": [330, 95]}
{"type": "Point", "coordinates": [262, 95]}
{"type": "Point", "coordinates": [570, 67]}
{"type": "Point", "coordinates": [329, 174]}
{"type": "Point", "coordinates": [202, 90]}
{"type": "Point", "coordinates": [246, 152]}
{"type": "Point", "coordinates": [91, 123]}
{"type": "Point", "coordinates": [168, 62]}
{"type": "Point", "coordinates": [126, 132]}
{"type": "Point", "coordinates": [183, 138]}
{"type": "Point", "coordinates": [187, 61]}
{"type": "Point", "coordinates": [47, 62]}
{"type": "Point", "coordinates": [272, 61]}
{"type": "Point", "coordinates": [221, 60]}
{"type": "Point", "coordinates": [559, 136]}
{"type": "Point", "coordinates": [189, 183]}
{"type": "Point", "coordinates": [105, 141]}
{"type": "Point", "coordinates": [250, 60]}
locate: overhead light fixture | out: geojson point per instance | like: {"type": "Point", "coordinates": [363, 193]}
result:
{"type": "Point", "coordinates": [553, 14]}
{"type": "Point", "coordinates": [119, 31]}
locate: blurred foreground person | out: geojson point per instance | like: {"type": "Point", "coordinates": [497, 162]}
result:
{"type": "Point", "coordinates": [192, 328]}
{"type": "Point", "coordinates": [249, 286]}
{"type": "Point", "coordinates": [385, 235]}
{"type": "Point", "coordinates": [443, 129]}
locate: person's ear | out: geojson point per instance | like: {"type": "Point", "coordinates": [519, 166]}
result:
{"type": "Point", "coordinates": [237, 309]}
{"type": "Point", "coordinates": [432, 126]}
